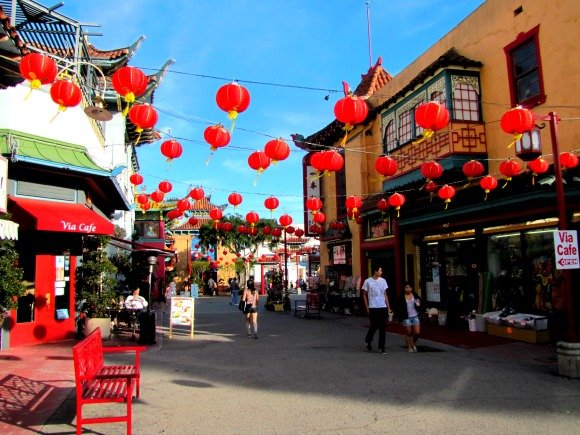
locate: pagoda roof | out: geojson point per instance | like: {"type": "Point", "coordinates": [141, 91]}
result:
{"type": "Point", "coordinates": [371, 82]}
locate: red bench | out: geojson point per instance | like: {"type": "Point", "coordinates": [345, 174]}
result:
{"type": "Point", "coordinates": [100, 383]}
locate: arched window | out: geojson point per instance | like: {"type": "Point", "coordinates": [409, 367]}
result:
{"type": "Point", "coordinates": [465, 103]}
{"type": "Point", "coordinates": [389, 139]}
{"type": "Point", "coordinates": [405, 130]}
{"type": "Point", "coordinates": [418, 128]}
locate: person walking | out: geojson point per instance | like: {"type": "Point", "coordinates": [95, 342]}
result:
{"type": "Point", "coordinates": [376, 302]}
{"type": "Point", "coordinates": [234, 290]}
{"type": "Point", "coordinates": [251, 298]}
{"type": "Point", "coordinates": [407, 309]}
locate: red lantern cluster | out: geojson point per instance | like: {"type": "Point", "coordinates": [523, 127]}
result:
{"type": "Point", "coordinates": [327, 161]}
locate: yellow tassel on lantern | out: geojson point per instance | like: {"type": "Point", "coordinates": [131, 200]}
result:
{"type": "Point", "coordinates": [515, 139]}
{"type": "Point", "coordinates": [426, 135]}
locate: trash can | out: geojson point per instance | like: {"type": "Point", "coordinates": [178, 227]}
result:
{"type": "Point", "coordinates": [147, 327]}
{"type": "Point", "coordinates": [472, 325]}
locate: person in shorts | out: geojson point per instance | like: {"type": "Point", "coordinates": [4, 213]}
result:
{"type": "Point", "coordinates": [251, 298]}
{"type": "Point", "coordinates": [408, 311]}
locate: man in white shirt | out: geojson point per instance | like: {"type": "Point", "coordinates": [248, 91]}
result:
{"type": "Point", "coordinates": [377, 305]}
{"type": "Point", "coordinates": [135, 301]}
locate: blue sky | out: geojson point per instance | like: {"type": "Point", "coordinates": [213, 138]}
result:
{"type": "Point", "coordinates": [294, 43]}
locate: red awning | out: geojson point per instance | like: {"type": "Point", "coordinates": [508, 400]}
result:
{"type": "Point", "coordinates": [63, 217]}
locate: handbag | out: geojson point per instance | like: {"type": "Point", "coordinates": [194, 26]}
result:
{"type": "Point", "coordinates": [242, 306]}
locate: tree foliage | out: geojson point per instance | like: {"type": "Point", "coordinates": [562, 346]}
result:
{"type": "Point", "coordinates": [11, 287]}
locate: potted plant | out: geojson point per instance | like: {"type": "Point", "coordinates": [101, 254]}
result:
{"type": "Point", "coordinates": [11, 287]}
{"type": "Point", "coordinates": [95, 284]}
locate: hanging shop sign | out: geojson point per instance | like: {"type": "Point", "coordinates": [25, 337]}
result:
{"type": "Point", "coordinates": [566, 249]}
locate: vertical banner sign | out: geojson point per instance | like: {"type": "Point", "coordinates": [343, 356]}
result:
{"type": "Point", "coordinates": [312, 189]}
{"type": "Point", "coordinates": [566, 249]}
{"type": "Point", "coordinates": [182, 313]}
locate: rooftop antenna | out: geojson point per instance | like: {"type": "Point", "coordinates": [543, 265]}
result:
{"type": "Point", "coordinates": [368, 3]}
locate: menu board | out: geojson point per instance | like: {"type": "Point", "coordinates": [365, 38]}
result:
{"type": "Point", "coordinates": [182, 313]}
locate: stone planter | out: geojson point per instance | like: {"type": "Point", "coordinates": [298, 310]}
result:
{"type": "Point", "coordinates": [569, 359]}
{"type": "Point", "coordinates": [93, 323]}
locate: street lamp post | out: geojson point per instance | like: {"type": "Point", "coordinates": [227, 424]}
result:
{"type": "Point", "coordinates": [152, 261]}
{"type": "Point", "coordinates": [147, 333]}
{"type": "Point", "coordinates": [285, 262]}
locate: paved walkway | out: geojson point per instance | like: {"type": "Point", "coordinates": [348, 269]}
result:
{"type": "Point", "coordinates": [301, 376]}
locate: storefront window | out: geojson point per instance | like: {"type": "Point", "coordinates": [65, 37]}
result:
{"type": "Point", "coordinates": [506, 270]}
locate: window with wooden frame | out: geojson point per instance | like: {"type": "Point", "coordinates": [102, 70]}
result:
{"type": "Point", "coordinates": [465, 102]}
{"type": "Point", "coordinates": [389, 139]}
{"type": "Point", "coordinates": [525, 69]}
{"type": "Point", "coordinates": [418, 128]}
{"type": "Point", "coordinates": [405, 127]}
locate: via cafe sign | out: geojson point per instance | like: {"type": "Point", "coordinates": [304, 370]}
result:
{"type": "Point", "coordinates": [81, 227]}
{"type": "Point", "coordinates": [566, 249]}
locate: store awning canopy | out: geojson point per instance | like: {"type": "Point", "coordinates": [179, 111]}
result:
{"type": "Point", "coordinates": [59, 216]}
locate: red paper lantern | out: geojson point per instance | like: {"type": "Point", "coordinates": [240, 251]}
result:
{"type": "Point", "coordinates": [299, 232]}
{"type": "Point", "coordinates": [193, 222]}
{"type": "Point", "coordinates": [473, 169]}
{"type": "Point", "coordinates": [65, 93]}
{"type": "Point", "coordinates": [319, 218]}
{"type": "Point", "coordinates": [252, 218]}
{"type": "Point", "coordinates": [267, 230]}
{"type": "Point", "coordinates": [509, 168]}
{"type": "Point", "coordinates": [386, 166]}
{"type": "Point", "coordinates": [235, 199]}
{"type": "Point", "coordinates": [183, 205]}
{"type": "Point", "coordinates": [432, 116]}
{"type": "Point", "coordinates": [130, 82]}
{"type": "Point", "coordinates": [227, 226]}
{"type": "Point", "coordinates": [157, 196]}
{"type": "Point", "coordinates": [538, 166]}
{"type": "Point", "coordinates": [488, 183]}
{"type": "Point", "coordinates": [259, 161]}
{"type": "Point", "coordinates": [143, 116]}
{"type": "Point", "coordinates": [313, 204]}
{"type": "Point", "coordinates": [431, 186]}
{"type": "Point", "coordinates": [290, 229]}
{"type": "Point", "coordinates": [431, 170]}
{"type": "Point", "coordinates": [216, 214]}
{"type": "Point", "coordinates": [242, 229]}
{"type": "Point", "coordinates": [171, 149]}
{"type": "Point", "coordinates": [517, 121]}
{"type": "Point", "coordinates": [38, 69]}
{"type": "Point", "coordinates": [216, 136]}
{"type": "Point", "coordinates": [285, 220]}
{"type": "Point", "coordinates": [383, 204]}
{"type": "Point", "coordinates": [333, 161]}
{"type": "Point", "coordinates": [351, 110]}
{"type": "Point", "coordinates": [568, 160]}
{"type": "Point", "coordinates": [446, 193]}
{"type": "Point", "coordinates": [165, 186]}
{"type": "Point", "coordinates": [233, 99]}
{"type": "Point", "coordinates": [353, 202]}
{"type": "Point", "coordinates": [397, 200]}
{"type": "Point", "coordinates": [277, 232]}
{"type": "Point", "coordinates": [145, 206]}
{"type": "Point", "coordinates": [271, 203]}
{"type": "Point", "coordinates": [277, 149]}
{"type": "Point", "coordinates": [196, 193]}
{"type": "Point", "coordinates": [136, 179]}
{"type": "Point", "coordinates": [173, 214]}
{"type": "Point", "coordinates": [142, 199]}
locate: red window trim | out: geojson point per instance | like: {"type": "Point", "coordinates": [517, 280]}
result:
{"type": "Point", "coordinates": [520, 39]}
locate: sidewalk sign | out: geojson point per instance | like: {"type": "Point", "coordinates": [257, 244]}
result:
{"type": "Point", "coordinates": [566, 249]}
{"type": "Point", "coordinates": [182, 313]}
